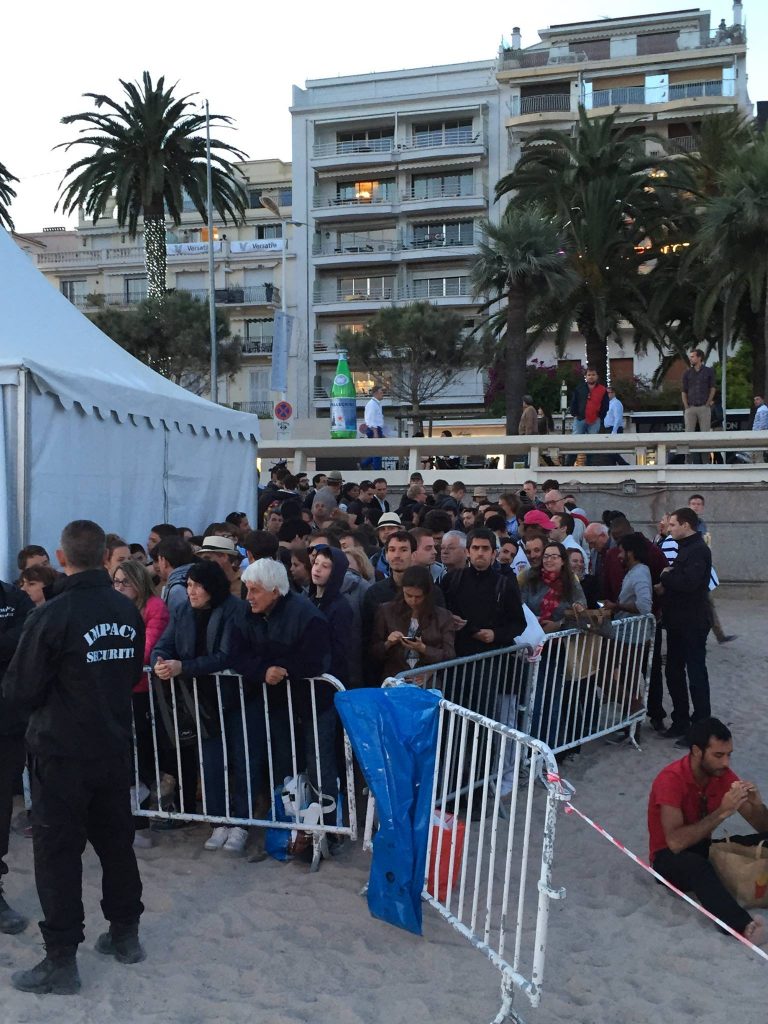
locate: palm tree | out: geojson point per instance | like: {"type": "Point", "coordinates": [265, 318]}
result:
{"type": "Point", "coordinates": [731, 245]}
{"type": "Point", "coordinates": [148, 154]}
{"type": "Point", "coordinates": [7, 193]}
{"type": "Point", "coordinates": [523, 261]}
{"type": "Point", "coordinates": [612, 200]}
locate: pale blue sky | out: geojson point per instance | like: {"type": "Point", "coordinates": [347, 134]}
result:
{"type": "Point", "coordinates": [245, 62]}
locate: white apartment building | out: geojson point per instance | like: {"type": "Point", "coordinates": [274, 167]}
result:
{"type": "Point", "coordinates": [392, 174]}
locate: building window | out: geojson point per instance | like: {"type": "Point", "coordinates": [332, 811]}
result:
{"type": "Point", "coordinates": [259, 335]}
{"type": "Point", "coordinates": [440, 287]}
{"type": "Point", "coordinates": [443, 133]}
{"type": "Point", "coordinates": [437, 233]}
{"type": "Point", "coordinates": [135, 289]}
{"type": "Point", "coordinates": [285, 196]}
{"type": "Point", "coordinates": [269, 230]}
{"type": "Point", "coordinates": [365, 191]}
{"type": "Point", "coordinates": [258, 385]}
{"type": "Point", "coordinates": [75, 290]}
{"type": "Point", "coordinates": [370, 140]}
{"type": "Point", "coordinates": [365, 287]}
{"type": "Point", "coordinates": [254, 195]}
{"type": "Point", "coordinates": [433, 186]}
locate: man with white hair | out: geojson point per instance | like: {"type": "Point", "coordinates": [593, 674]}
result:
{"type": "Point", "coordinates": [597, 538]}
{"type": "Point", "coordinates": [453, 550]}
{"type": "Point", "coordinates": [285, 637]}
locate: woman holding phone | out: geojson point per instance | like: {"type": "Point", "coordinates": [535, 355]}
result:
{"type": "Point", "coordinates": [411, 630]}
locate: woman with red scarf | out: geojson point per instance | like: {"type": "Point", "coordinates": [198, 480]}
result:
{"type": "Point", "coordinates": [549, 591]}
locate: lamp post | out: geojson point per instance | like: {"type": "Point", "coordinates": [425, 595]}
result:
{"type": "Point", "coordinates": [563, 405]}
{"type": "Point", "coordinates": [269, 204]}
{"type": "Point", "coordinates": [211, 273]}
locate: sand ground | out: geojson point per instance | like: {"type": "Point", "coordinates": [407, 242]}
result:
{"type": "Point", "coordinates": [269, 943]}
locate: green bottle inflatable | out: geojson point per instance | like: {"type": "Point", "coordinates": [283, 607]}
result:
{"type": "Point", "coordinates": [343, 402]}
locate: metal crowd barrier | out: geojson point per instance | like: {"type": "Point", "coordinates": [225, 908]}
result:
{"type": "Point", "coordinates": [586, 684]}
{"type": "Point", "coordinates": [489, 858]}
{"type": "Point", "coordinates": [278, 734]}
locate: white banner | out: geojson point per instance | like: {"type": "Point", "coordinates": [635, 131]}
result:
{"type": "Point", "coordinates": [190, 248]}
{"type": "Point", "coordinates": [280, 346]}
{"type": "Point", "coordinates": [258, 245]}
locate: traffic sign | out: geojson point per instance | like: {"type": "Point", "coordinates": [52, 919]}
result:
{"type": "Point", "coordinates": [283, 410]}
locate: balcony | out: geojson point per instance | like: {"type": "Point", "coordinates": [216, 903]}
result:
{"type": "Point", "coordinates": [520, 107]}
{"type": "Point", "coordinates": [682, 144]}
{"type": "Point", "coordinates": [256, 346]}
{"type": "Point", "coordinates": [262, 409]}
{"type": "Point", "coordinates": [326, 205]}
{"type": "Point", "coordinates": [440, 290]}
{"type": "Point", "coordinates": [515, 60]}
{"type": "Point", "coordinates": [91, 257]}
{"type": "Point", "coordinates": [418, 199]}
{"type": "Point", "coordinates": [640, 95]}
{"type": "Point", "coordinates": [258, 295]}
{"type": "Point", "coordinates": [369, 295]}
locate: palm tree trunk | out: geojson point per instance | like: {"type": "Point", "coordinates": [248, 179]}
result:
{"type": "Point", "coordinates": [760, 350]}
{"type": "Point", "coordinates": [597, 348]}
{"type": "Point", "coordinates": [515, 356]}
{"type": "Point", "coordinates": [155, 255]}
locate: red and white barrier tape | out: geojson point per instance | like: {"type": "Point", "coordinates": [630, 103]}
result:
{"type": "Point", "coordinates": [570, 809]}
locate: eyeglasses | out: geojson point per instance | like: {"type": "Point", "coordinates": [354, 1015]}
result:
{"type": "Point", "coordinates": [551, 556]}
{"type": "Point", "coordinates": [120, 584]}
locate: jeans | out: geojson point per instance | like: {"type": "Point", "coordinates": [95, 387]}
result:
{"type": "Point", "coordinates": [240, 765]}
{"type": "Point", "coordinates": [545, 716]}
{"type": "Point", "coordinates": [687, 653]}
{"type": "Point", "coordinates": [373, 461]}
{"type": "Point", "coordinates": [11, 767]}
{"type": "Point", "coordinates": [74, 803]}
{"type": "Point", "coordinates": [691, 871]}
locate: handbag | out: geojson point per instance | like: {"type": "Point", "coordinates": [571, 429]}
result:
{"type": "Point", "coordinates": [743, 870]}
{"type": "Point", "coordinates": [185, 712]}
{"type": "Point", "coordinates": [591, 620]}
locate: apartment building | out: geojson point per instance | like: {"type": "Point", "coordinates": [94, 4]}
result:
{"type": "Point", "coordinates": [393, 173]}
{"type": "Point", "coordinates": [100, 265]}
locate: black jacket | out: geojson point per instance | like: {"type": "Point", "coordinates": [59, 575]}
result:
{"type": "Point", "coordinates": [76, 665]}
{"type": "Point", "coordinates": [487, 600]}
{"type": "Point", "coordinates": [14, 608]}
{"type": "Point", "coordinates": [685, 601]}
{"type": "Point", "coordinates": [295, 636]}
{"type": "Point", "coordinates": [579, 401]}
{"type": "Point", "coordinates": [338, 611]}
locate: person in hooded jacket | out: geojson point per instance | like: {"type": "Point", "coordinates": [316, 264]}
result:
{"type": "Point", "coordinates": [327, 578]}
{"type": "Point", "coordinates": [199, 643]}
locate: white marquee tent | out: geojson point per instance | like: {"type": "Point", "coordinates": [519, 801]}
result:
{"type": "Point", "coordinates": [89, 432]}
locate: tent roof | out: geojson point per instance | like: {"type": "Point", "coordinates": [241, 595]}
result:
{"type": "Point", "coordinates": [42, 331]}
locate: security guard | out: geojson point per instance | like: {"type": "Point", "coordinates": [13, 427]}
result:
{"type": "Point", "coordinates": [77, 662]}
{"type": "Point", "coordinates": [14, 608]}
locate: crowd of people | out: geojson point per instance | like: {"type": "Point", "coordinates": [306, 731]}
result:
{"type": "Point", "coordinates": [333, 579]}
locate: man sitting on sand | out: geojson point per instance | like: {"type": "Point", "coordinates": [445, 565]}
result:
{"type": "Point", "coordinates": [689, 799]}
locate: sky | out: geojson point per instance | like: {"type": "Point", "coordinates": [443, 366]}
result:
{"type": "Point", "coordinates": [246, 63]}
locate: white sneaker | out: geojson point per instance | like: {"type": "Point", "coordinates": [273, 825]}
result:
{"type": "Point", "coordinates": [142, 840]}
{"type": "Point", "coordinates": [236, 841]}
{"type": "Point", "coordinates": [217, 838]}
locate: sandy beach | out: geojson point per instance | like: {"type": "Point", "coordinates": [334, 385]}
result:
{"type": "Point", "coordinates": [268, 943]}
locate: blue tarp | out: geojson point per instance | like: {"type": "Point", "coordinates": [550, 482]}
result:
{"type": "Point", "coordinates": [393, 732]}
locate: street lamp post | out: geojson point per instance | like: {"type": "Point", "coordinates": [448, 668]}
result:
{"type": "Point", "coordinates": [211, 272]}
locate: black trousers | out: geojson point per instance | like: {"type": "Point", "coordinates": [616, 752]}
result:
{"type": "Point", "coordinates": [687, 653]}
{"type": "Point", "coordinates": [691, 871]}
{"type": "Point", "coordinates": [11, 766]}
{"type": "Point", "coordinates": [74, 802]}
{"type": "Point", "coordinates": [656, 684]}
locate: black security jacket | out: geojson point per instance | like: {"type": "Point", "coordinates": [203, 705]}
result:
{"type": "Point", "coordinates": [77, 662]}
{"type": "Point", "coordinates": [14, 608]}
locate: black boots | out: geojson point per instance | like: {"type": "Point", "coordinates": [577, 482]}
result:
{"type": "Point", "coordinates": [11, 922]}
{"type": "Point", "coordinates": [57, 974]}
{"type": "Point", "coordinates": [122, 942]}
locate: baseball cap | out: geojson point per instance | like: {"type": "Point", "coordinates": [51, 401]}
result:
{"type": "Point", "coordinates": [538, 518]}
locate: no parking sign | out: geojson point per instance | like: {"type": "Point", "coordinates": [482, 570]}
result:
{"type": "Point", "coordinates": [283, 413]}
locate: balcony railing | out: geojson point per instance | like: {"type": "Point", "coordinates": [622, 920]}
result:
{"type": "Point", "coordinates": [361, 244]}
{"type": "Point", "coordinates": [263, 408]}
{"type": "Point", "coordinates": [91, 257]}
{"type": "Point", "coordinates": [646, 96]}
{"type": "Point", "coordinates": [682, 144]}
{"type": "Point", "coordinates": [256, 346]}
{"type": "Point", "coordinates": [331, 292]}
{"type": "Point", "coordinates": [321, 149]}
{"type": "Point", "coordinates": [447, 137]}
{"type": "Point", "coordinates": [417, 194]}
{"type": "Point", "coordinates": [546, 103]}
{"type": "Point", "coordinates": [539, 58]}
{"type": "Point", "coordinates": [257, 295]}
{"type": "Point", "coordinates": [440, 241]}
{"type": "Point", "coordinates": [322, 199]}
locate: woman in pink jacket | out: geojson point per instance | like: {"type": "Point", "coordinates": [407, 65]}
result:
{"type": "Point", "coordinates": [133, 580]}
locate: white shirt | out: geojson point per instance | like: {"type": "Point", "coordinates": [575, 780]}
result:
{"type": "Point", "coordinates": [614, 418]}
{"type": "Point", "coordinates": [374, 415]}
{"type": "Point", "coordinates": [760, 421]}
{"type": "Point", "coordinates": [669, 547]}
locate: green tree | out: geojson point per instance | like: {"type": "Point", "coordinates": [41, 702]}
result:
{"type": "Point", "coordinates": [613, 201]}
{"type": "Point", "coordinates": [522, 261]}
{"type": "Point", "coordinates": [172, 337]}
{"type": "Point", "coordinates": [7, 193]}
{"type": "Point", "coordinates": [148, 152]}
{"type": "Point", "coordinates": [419, 351]}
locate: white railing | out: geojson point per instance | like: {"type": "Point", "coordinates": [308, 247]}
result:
{"type": "Point", "coordinates": [416, 194]}
{"type": "Point", "coordinates": [320, 200]}
{"type": "Point", "coordinates": [321, 149]}
{"type": "Point", "coordinates": [362, 246]}
{"type": "Point", "coordinates": [384, 292]}
{"type": "Point", "coordinates": [439, 288]}
{"type": "Point", "coordinates": [447, 137]}
{"type": "Point", "coordinates": [126, 254]}
{"type": "Point", "coordinates": [231, 739]}
{"type": "Point", "coordinates": [489, 860]}
{"type": "Point", "coordinates": [647, 95]}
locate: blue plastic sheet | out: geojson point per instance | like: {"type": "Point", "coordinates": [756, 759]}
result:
{"type": "Point", "coordinates": [393, 732]}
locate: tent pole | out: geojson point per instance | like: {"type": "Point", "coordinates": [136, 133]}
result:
{"type": "Point", "coordinates": [22, 397]}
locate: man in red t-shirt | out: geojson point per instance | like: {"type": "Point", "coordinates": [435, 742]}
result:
{"type": "Point", "coordinates": [689, 799]}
